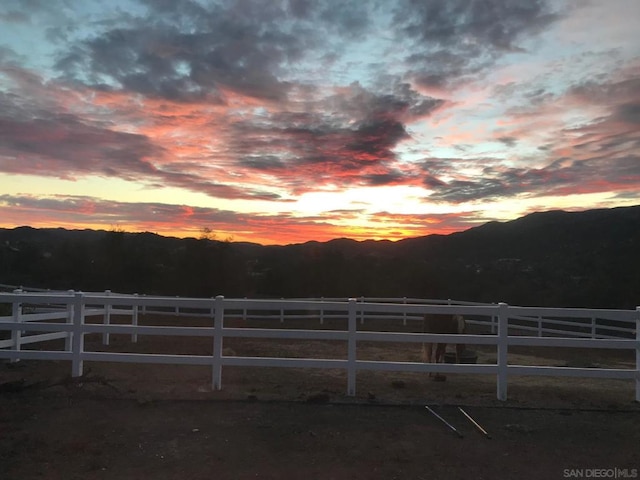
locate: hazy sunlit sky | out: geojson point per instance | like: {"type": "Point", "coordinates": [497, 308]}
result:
{"type": "Point", "coordinates": [287, 121]}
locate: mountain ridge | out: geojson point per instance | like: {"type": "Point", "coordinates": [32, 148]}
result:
{"type": "Point", "coordinates": [588, 258]}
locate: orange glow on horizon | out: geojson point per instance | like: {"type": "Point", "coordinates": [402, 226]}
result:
{"type": "Point", "coordinates": [263, 236]}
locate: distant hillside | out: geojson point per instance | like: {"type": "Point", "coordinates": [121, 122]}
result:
{"type": "Point", "coordinates": [589, 258]}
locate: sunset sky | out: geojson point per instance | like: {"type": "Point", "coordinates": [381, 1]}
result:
{"type": "Point", "coordinates": [279, 122]}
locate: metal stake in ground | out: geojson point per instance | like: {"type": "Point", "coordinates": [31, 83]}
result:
{"type": "Point", "coordinates": [476, 424]}
{"type": "Point", "coordinates": [444, 421]}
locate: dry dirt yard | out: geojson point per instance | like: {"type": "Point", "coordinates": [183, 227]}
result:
{"type": "Point", "coordinates": [123, 421]}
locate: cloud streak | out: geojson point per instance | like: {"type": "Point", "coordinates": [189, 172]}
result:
{"type": "Point", "coordinates": [171, 219]}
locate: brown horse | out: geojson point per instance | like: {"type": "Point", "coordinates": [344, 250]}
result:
{"type": "Point", "coordinates": [442, 324]}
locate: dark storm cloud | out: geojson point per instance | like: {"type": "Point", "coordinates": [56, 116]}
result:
{"type": "Point", "coordinates": [508, 141]}
{"type": "Point", "coordinates": [462, 37]}
{"type": "Point", "coordinates": [312, 157]}
{"type": "Point", "coordinates": [559, 178]}
{"type": "Point", "coordinates": [264, 163]}
{"type": "Point", "coordinates": [373, 140]}
{"type": "Point", "coordinates": [14, 16]}
{"type": "Point", "coordinates": [615, 133]}
{"type": "Point", "coordinates": [342, 136]}
{"type": "Point", "coordinates": [402, 101]}
{"type": "Point", "coordinates": [629, 113]}
{"type": "Point", "coordinates": [460, 191]}
{"type": "Point", "coordinates": [432, 182]}
{"type": "Point", "coordinates": [603, 92]}
{"type": "Point", "coordinates": [347, 18]}
{"type": "Point", "coordinates": [628, 195]}
{"type": "Point", "coordinates": [64, 144]}
{"type": "Point", "coordinates": [346, 148]}
{"type": "Point", "coordinates": [42, 138]}
{"type": "Point", "coordinates": [379, 179]}
{"type": "Point", "coordinates": [185, 52]}
{"type": "Point", "coordinates": [28, 11]}
{"type": "Point", "coordinates": [622, 99]}
{"type": "Point", "coordinates": [438, 68]}
{"type": "Point", "coordinates": [8, 57]}
{"type": "Point", "coordinates": [496, 24]}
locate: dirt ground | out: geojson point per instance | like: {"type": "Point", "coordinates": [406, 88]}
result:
{"type": "Point", "coordinates": [164, 422]}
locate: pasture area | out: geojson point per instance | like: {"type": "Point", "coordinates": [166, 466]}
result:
{"type": "Point", "coordinates": [133, 421]}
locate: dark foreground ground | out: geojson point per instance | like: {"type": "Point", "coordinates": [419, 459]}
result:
{"type": "Point", "coordinates": [91, 429]}
{"type": "Point", "coordinates": [89, 438]}
{"type": "Point", "coordinates": [124, 421]}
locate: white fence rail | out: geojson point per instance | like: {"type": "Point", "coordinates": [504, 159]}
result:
{"type": "Point", "coordinates": [586, 323]}
{"type": "Point", "coordinates": [41, 316]}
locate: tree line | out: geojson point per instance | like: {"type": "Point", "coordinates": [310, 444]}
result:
{"type": "Point", "coordinates": [584, 259]}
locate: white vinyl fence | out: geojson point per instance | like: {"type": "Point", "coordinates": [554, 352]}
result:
{"type": "Point", "coordinates": [34, 317]}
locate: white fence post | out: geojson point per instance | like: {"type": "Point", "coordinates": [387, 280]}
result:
{"type": "Point", "coordinates": [539, 326]}
{"type": "Point", "coordinates": [351, 349]}
{"type": "Point", "coordinates": [282, 312]}
{"type": "Point", "coordinates": [217, 343]}
{"type": "Point", "coordinates": [134, 321]}
{"type": "Point", "coordinates": [67, 340]}
{"type": "Point", "coordinates": [503, 339]}
{"type": "Point", "coordinates": [106, 319]}
{"type": "Point", "coordinates": [404, 314]}
{"type": "Point", "coordinates": [637, 354]}
{"type": "Point", "coordinates": [361, 311]}
{"type": "Point", "coordinates": [16, 312]}
{"type": "Point", "coordinates": [244, 311]}
{"type": "Point", "coordinates": [493, 323]}
{"type": "Point", "coordinates": [78, 335]}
